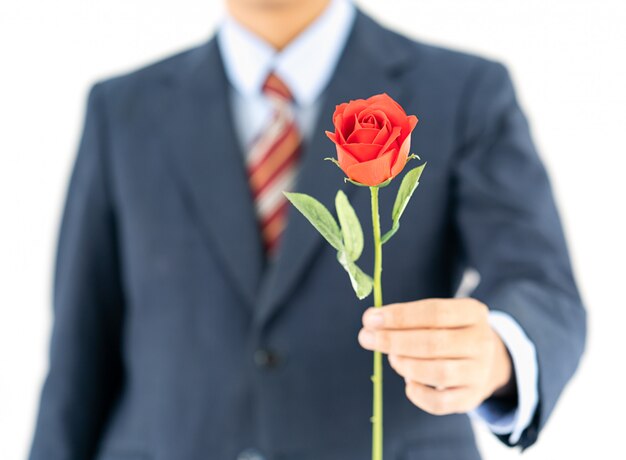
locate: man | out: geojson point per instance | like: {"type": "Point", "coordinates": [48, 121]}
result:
{"type": "Point", "coordinates": [198, 316]}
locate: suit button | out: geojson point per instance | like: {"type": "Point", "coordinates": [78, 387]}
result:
{"type": "Point", "coordinates": [265, 358]}
{"type": "Point", "coordinates": [250, 454]}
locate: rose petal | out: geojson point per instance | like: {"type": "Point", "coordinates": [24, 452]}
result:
{"type": "Point", "coordinates": [372, 172]}
{"type": "Point", "coordinates": [339, 109]}
{"type": "Point", "coordinates": [363, 152]}
{"type": "Point", "coordinates": [382, 135]}
{"type": "Point", "coordinates": [400, 162]}
{"type": "Point", "coordinates": [338, 116]}
{"type": "Point", "coordinates": [332, 136]}
{"type": "Point", "coordinates": [392, 137]}
{"type": "Point", "coordinates": [412, 122]}
{"type": "Point", "coordinates": [403, 154]}
{"type": "Point", "coordinates": [377, 116]}
{"type": "Point", "coordinates": [396, 114]}
{"type": "Point", "coordinates": [338, 122]}
{"type": "Point", "coordinates": [363, 136]}
{"type": "Point", "coordinates": [345, 159]}
{"type": "Point", "coordinates": [372, 138]}
{"type": "Point", "coordinates": [366, 118]}
{"type": "Point", "coordinates": [352, 109]}
{"type": "Point", "coordinates": [385, 100]}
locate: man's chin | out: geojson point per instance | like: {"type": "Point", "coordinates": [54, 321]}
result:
{"type": "Point", "coordinates": [269, 4]}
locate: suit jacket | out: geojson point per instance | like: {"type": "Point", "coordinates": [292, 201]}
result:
{"type": "Point", "coordinates": [173, 340]}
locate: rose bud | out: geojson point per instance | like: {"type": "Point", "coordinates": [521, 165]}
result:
{"type": "Point", "coordinates": [373, 138]}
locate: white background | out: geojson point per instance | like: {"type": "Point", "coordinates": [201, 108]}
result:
{"type": "Point", "coordinates": [567, 60]}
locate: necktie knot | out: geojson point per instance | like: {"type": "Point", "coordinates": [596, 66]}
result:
{"type": "Point", "coordinates": [275, 87]}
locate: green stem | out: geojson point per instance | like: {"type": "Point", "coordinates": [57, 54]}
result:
{"type": "Point", "coordinates": [377, 378]}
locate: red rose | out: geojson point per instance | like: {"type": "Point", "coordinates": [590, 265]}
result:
{"type": "Point", "coordinates": [373, 138]}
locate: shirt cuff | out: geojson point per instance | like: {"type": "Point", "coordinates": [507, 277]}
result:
{"type": "Point", "coordinates": [514, 421]}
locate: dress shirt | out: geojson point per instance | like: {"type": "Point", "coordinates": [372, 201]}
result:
{"type": "Point", "coordinates": [306, 65]}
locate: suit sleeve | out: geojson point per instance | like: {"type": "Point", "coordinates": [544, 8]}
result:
{"type": "Point", "coordinates": [84, 362]}
{"type": "Point", "coordinates": [510, 232]}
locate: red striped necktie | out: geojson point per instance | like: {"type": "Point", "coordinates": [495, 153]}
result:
{"type": "Point", "coordinates": [272, 164]}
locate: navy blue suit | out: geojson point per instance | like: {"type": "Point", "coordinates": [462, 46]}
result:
{"type": "Point", "coordinates": [172, 339]}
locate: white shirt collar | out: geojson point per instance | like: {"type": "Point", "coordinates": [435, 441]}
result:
{"type": "Point", "coordinates": [305, 65]}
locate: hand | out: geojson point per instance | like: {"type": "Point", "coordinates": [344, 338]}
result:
{"type": "Point", "coordinates": [450, 357]}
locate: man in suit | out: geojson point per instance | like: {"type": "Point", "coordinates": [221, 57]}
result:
{"type": "Point", "coordinates": [199, 316]}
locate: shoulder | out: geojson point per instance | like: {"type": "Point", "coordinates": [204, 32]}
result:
{"type": "Point", "coordinates": [130, 99]}
{"type": "Point", "coordinates": [145, 80]}
{"type": "Point", "coordinates": [446, 68]}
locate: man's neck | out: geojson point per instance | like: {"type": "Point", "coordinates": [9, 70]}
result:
{"type": "Point", "coordinates": [275, 21]}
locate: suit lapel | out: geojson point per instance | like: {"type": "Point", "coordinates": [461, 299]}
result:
{"type": "Point", "coordinates": [205, 156]}
{"type": "Point", "coordinates": [364, 69]}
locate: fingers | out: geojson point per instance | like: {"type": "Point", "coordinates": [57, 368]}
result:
{"type": "Point", "coordinates": [423, 343]}
{"type": "Point", "coordinates": [443, 373]}
{"type": "Point", "coordinates": [438, 373]}
{"type": "Point", "coordinates": [441, 402]}
{"type": "Point", "coordinates": [444, 349]}
{"type": "Point", "coordinates": [427, 313]}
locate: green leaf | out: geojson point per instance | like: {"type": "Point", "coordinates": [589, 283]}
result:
{"type": "Point", "coordinates": [319, 216]}
{"type": "Point", "coordinates": [410, 181]}
{"type": "Point", "coordinates": [392, 231]}
{"type": "Point", "coordinates": [361, 282]}
{"type": "Point", "coordinates": [350, 226]}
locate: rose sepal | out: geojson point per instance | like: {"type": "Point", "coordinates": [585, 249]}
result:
{"type": "Point", "coordinates": [334, 160]}
{"type": "Point", "coordinates": [381, 185]}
